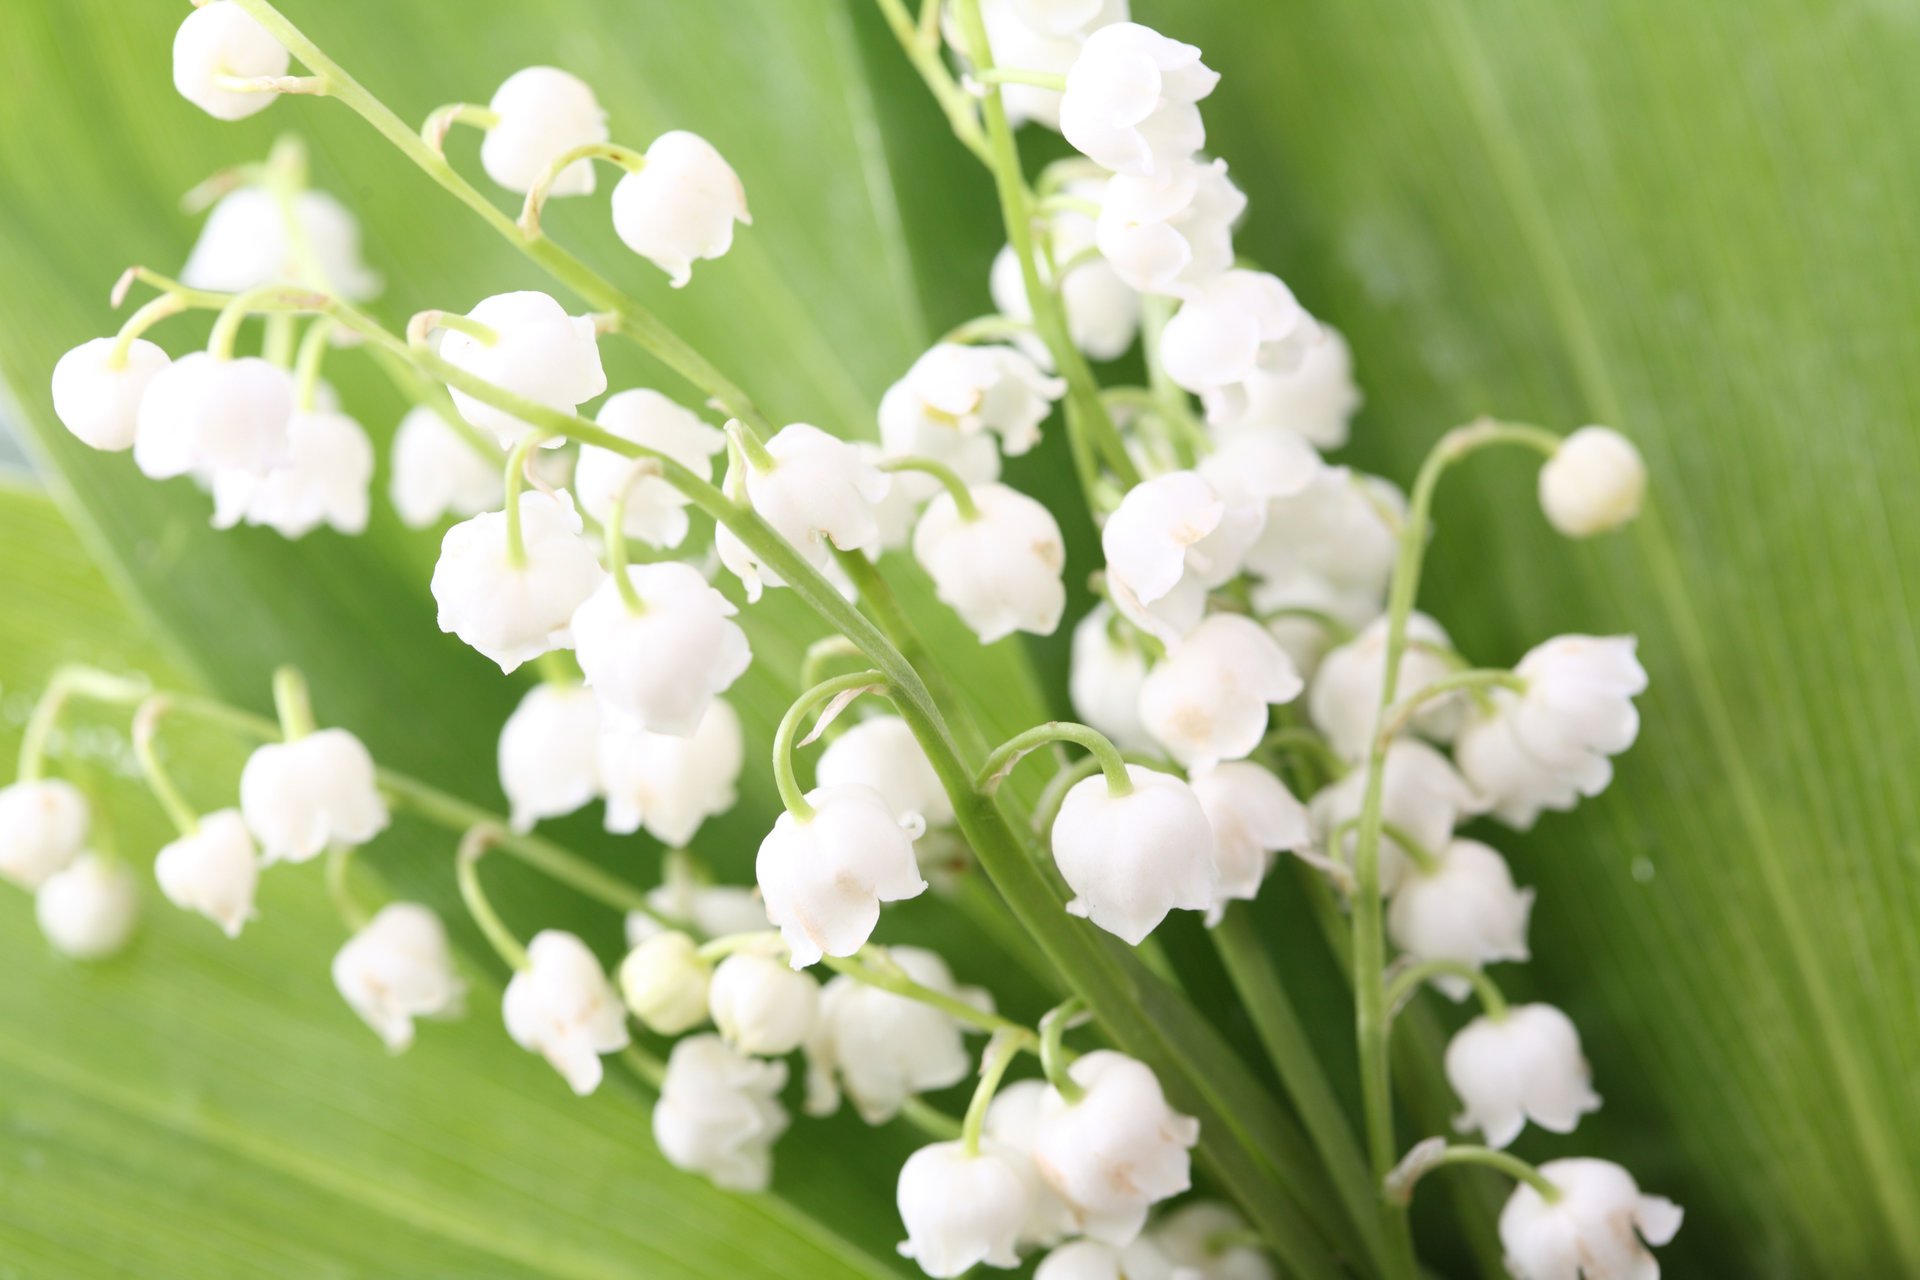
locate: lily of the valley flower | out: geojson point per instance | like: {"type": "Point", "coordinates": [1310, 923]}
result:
{"type": "Point", "coordinates": [202, 413]}
{"type": "Point", "coordinates": [398, 967]}
{"type": "Point", "coordinates": [1038, 35]}
{"type": "Point", "coordinates": [100, 404]}
{"type": "Point", "coordinates": [1098, 1260]}
{"type": "Point", "coordinates": [1316, 401]}
{"type": "Point", "coordinates": [543, 113]}
{"type": "Point", "coordinates": [1253, 817]}
{"type": "Point", "coordinates": [300, 797]}
{"type": "Point", "coordinates": [881, 752]}
{"type": "Point", "coordinates": [1170, 234]}
{"type": "Point", "coordinates": [660, 668]}
{"type": "Point", "coordinates": [1594, 483]}
{"type": "Point", "coordinates": [969, 390]}
{"type": "Point", "coordinates": [436, 473]}
{"type": "Point", "coordinates": [1578, 703]}
{"type": "Point", "coordinates": [999, 569]}
{"type": "Point", "coordinates": [1523, 1065]}
{"type": "Point", "coordinates": [719, 1113]}
{"type": "Point", "coordinates": [87, 908]}
{"type": "Point", "coordinates": [1233, 326]}
{"type": "Point", "coordinates": [213, 870]}
{"type": "Point", "coordinates": [1131, 859]}
{"type": "Point", "coordinates": [549, 753]}
{"type": "Point", "coordinates": [1013, 1121]}
{"type": "Point", "coordinates": [821, 493]}
{"type": "Point", "coordinates": [655, 511]}
{"type": "Point", "coordinates": [562, 1007]}
{"type": "Point", "coordinates": [1465, 909]}
{"type": "Point", "coordinates": [1342, 529]}
{"type": "Point", "coordinates": [1117, 1150]}
{"type": "Point", "coordinates": [761, 1006]}
{"type": "Point", "coordinates": [1129, 100]}
{"type": "Point", "coordinates": [1599, 1227]}
{"type": "Point", "coordinates": [218, 41]}
{"type": "Point", "coordinates": [680, 206]}
{"type": "Point", "coordinates": [324, 480]}
{"type": "Point", "coordinates": [665, 983]}
{"type": "Point", "coordinates": [1422, 796]}
{"type": "Point", "coordinates": [1208, 700]}
{"type": "Point", "coordinates": [1206, 1239]}
{"type": "Point", "coordinates": [246, 242]}
{"type": "Point", "coordinates": [1103, 310]}
{"type": "Point", "coordinates": [825, 876]}
{"type": "Point", "coordinates": [1104, 679]}
{"type": "Point", "coordinates": [715, 910]}
{"type": "Point", "coordinates": [884, 1048]}
{"type": "Point", "coordinates": [1345, 699]}
{"type": "Point", "coordinates": [1516, 783]}
{"type": "Point", "coordinates": [511, 612]}
{"type": "Point", "coordinates": [43, 825]}
{"type": "Point", "coordinates": [536, 350]}
{"type": "Point", "coordinates": [670, 785]}
{"type": "Point", "coordinates": [962, 1208]}
{"type": "Point", "coordinates": [1171, 539]}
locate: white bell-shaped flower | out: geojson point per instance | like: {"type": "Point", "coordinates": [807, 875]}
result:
{"type": "Point", "coordinates": [962, 1209]}
{"type": "Point", "coordinates": [213, 870]}
{"type": "Point", "coordinates": [1116, 1151]}
{"type": "Point", "coordinates": [659, 669]}
{"type": "Point", "coordinates": [1597, 1229]}
{"type": "Point", "coordinates": [820, 494]}
{"type": "Point", "coordinates": [1131, 859]}
{"type": "Point", "coordinates": [1098, 1260]}
{"type": "Point", "coordinates": [514, 613]}
{"type": "Point", "coordinates": [87, 908]}
{"type": "Point", "coordinates": [1208, 700]}
{"type": "Point", "coordinates": [1172, 233]}
{"type": "Point", "coordinates": [884, 1048]}
{"type": "Point", "coordinates": [1578, 703]}
{"type": "Point", "coordinates": [1594, 483]}
{"type": "Point", "coordinates": [1000, 570]}
{"type": "Point", "coordinates": [913, 426]}
{"type": "Point", "coordinates": [202, 413]}
{"type": "Point", "coordinates": [1342, 529]}
{"type": "Point", "coordinates": [324, 480]}
{"type": "Point", "coordinates": [99, 404]}
{"type": "Point", "coordinates": [543, 114]}
{"type": "Point", "coordinates": [1306, 638]}
{"type": "Point", "coordinates": [656, 512]}
{"type": "Point", "coordinates": [680, 206]}
{"type": "Point", "coordinates": [1258, 469]}
{"type": "Point", "coordinates": [244, 244]}
{"type": "Point", "coordinates": [1103, 310]}
{"type": "Point", "coordinates": [43, 824]}
{"type": "Point", "coordinates": [761, 1006]}
{"type": "Point", "coordinates": [1467, 909]}
{"type": "Point", "coordinates": [538, 351]}
{"type": "Point", "coordinates": [562, 1007]}
{"type": "Point", "coordinates": [671, 785]}
{"type": "Point", "coordinates": [1013, 1121]}
{"type": "Point", "coordinates": [881, 752]}
{"type": "Point", "coordinates": [1231, 327]}
{"type": "Point", "coordinates": [1421, 795]}
{"type": "Point", "coordinates": [1171, 539]}
{"type": "Point", "coordinates": [968, 389]}
{"type": "Point", "coordinates": [1517, 784]}
{"type": "Point", "coordinates": [823, 878]}
{"type": "Point", "coordinates": [399, 967]}
{"type": "Point", "coordinates": [1205, 1240]}
{"type": "Point", "coordinates": [436, 473]}
{"type": "Point", "coordinates": [1524, 1065]}
{"type": "Point", "coordinates": [719, 1113]}
{"type": "Point", "coordinates": [665, 983]}
{"type": "Point", "coordinates": [1036, 35]}
{"type": "Point", "coordinates": [1344, 702]}
{"type": "Point", "coordinates": [549, 753]}
{"type": "Point", "coordinates": [218, 41]}
{"type": "Point", "coordinates": [1253, 817]}
{"type": "Point", "coordinates": [1316, 401]}
{"type": "Point", "coordinates": [1129, 100]}
{"type": "Point", "coordinates": [1104, 679]}
{"type": "Point", "coordinates": [685, 896]}
{"type": "Point", "coordinates": [300, 797]}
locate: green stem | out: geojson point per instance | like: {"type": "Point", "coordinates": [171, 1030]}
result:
{"type": "Point", "coordinates": [1422, 857]}
{"type": "Point", "coordinates": [615, 533]}
{"type": "Point", "coordinates": [1171, 404]}
{"type": "Point", "coordinates": [515, 482]}
{"type": "Point", "coordinates": [65, 683]}
{"type": "Point", "coordinates": [1305, 742]}
{"type": "Point", "coordinates": [266, 297]}
{"type": "Point", "coordinates": [473, 847]}
{"type": "Point", "coordinates": [930, 1120]}
{"type": "Point", "coordinates": [891, 978]}
{"type": "Point", "coordinates": [1492, 1003]}
{"type": "Point", "coordinates": [146, 728]}
{"type": "Point", "coordinates": [1053, 1055]}
{"type": "Point", "coordinates": [813, 667]}
{"type": "Point", "coordinates": [650, 1069]}
{"type": "Point", "coordinates": [1472, 678]}
{"type": "Point", "coordinates": [1334, 627]}
{"type": "Point", "coordinates": [306, 366]}
{"type": "Point", "coordinates": [1460, 1154]}
{"type": "Point", "coordinates": [442, 119]}
{"type": "Point", "coordinates": [340, 888]}
{"type": "Point", "coordinates": [1009, 75]}
{"type": "Point", "coordinates": [792, 795]}
{"type": "Point", "coordinates": [949, 480]}
{"type": "Point", "coordinates": [1002, 759]}
{"type": "Point", "coordinates": [626, 157]}
{"type": "Point", "coordinates": [153, 312]}
{"type": "Point", "coordinates": [921, 45]}
{"type": "Point", "coordinates": [291, 703]}
{"type": "Point", "coordinates": [993, 1068]}
{"type": "Point", "coordinates": [422, 324]}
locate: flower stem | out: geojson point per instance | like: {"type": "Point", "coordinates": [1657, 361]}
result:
{"type": "Point", "coordinates": [62, 687]}
{"type": "Point", "coordinates": [1420, 1162]}
{"type": "Point", "coordinates": [1492, 1002]}
{"type": "Point", "coordinates": [146, 729]}
{"type": "Point", "coordinates": [868, 968]}
{"type": "Point", "coordinates": [340, 888]}
{"type": "Point", "coordinates": [921, 42]}
{"type": "Point", "coordinates": [1053, 1054]}
{"type": "Point", "coordinates": [949, 480]}
{"type": "Point", "coordinates": [515, 482]}
{"type": "Point", "coordinates": [1472, 678]}
{"type": "Point", "coordinates": [791, 794]}
{"type": "Point", "coordinates": [1171, 405]}
{"type": "Point", "coordinates": [1001, 761]}
{"type": "Point", "coordinates": [994, 1062]}
{"type": "Point", "coordinates": [473, 847]}
{"type": "Point", "coordinates": [292, 703]}
{"type": "Point", "coordinates": [930, 1120]}
{"type": "Point", "coordinates": [153, 312]}
{"type": "Point", "coordinates": [441, 121]}
{"type": "Point", "coordinates": [626, 157]}
{"type": "Point", "coordinates": [306, 366]}
{"type": "Point", "coordinates": [615, 532]}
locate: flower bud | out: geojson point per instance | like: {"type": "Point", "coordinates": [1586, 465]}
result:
{"type": "Point", "coordinates": [539, 352]}
{"type": "Point", "coordinates": [514, 613]}
{"type": "Point", "coordinates": [323, 481]}
{"type": "Point", "coordinates": [562, 1007]}
{"type": "Point", "coordinates": [660, 668]}
{"type": "Point", "coordinates": [245, 243]}
{"type": "Point", "coordinates": [1116, 1151]}
{"type": "Point", "coordinates": [681, 206]}
{"type": "Point", "coordinates": [1231, 327]}
{"type": "Point", "coordinates": [1129, 100]}
{"type": "Point", "coordinates": [1172, 233]}
{"type": "Point", "coordinates": [1253, 817]}
{"type": "Point", "coordinates": [664, 982]}
{"type": "Point", "coordinates": [719, 1113]}
{"type": "Point", "coordinates": [1001, 570]}
{"type": "Point", "coordinates": [436, 473]}
{"type": "Point", "coordinates": [301, 796]}
{"type": "Point", "coordinates": [1524, 1066]}
{"type": "Point", "coordinates": [1105, 677]}
{"type": "Point", "coordinates": [212, 870]}
{"type": "Point", "coordinates": [1208, 700]}
{"type": "Point", "coordinates": [398, 968]}
{"type": "Point", "coordinates": [670, 785]}
{"type": "Point", "coordinates": [1344, 703]}
{"type": "Point", "coordinates": [824, 877]}
{"type": "Point", "coordinates": [655, 511]}
{"type": "Point", "coordinates": [885, 1048]}
{"type": "Point", "coordinates": [43, 824]}
{"type": "Point", "coordinates": [549, 753]}
{"type": "Point", "coordinates": [221, 40]}
{"type": "Point", "coordinates": [761, 1006]}
{"type": "Point", "coordinates": [202, 413]}
{"type": "Point", "coordinates": [1131, 859]}
{"type": "Point", "coordinates": [1594, 483]}
{"type": "Point", "coordinates": [1465, 909]}
{"type": "Point", "coordinates": [881, 752]}
{"type": "Point", "coordinates": [715, 910]}
{"type": "Point", "coordinates": [961, 1209]}
{"type": "Point", "coordinates": [87, 909]}
{"type": "Point", "coordinates": [99, 404]}
{"type": "Point", "coordinates": [1595, 1229]}
{"type": "Point", "coordinates": [543, 114]}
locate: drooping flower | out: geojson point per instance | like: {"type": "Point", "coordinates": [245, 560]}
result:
{"type": "Point", "coordinates": [1013, 1121]}
{"type": "Point", "coordinates": [1103, 310]}
{"type": "Point", "coordinates": [87, 908]}
{"type": "Point", "coordinates": [1341, 529]}
{"type": "Point", "coordinates": [1517, 784]}
{"type": "Point", "coordinates": [1000, 570]}
{"type": "Point", "coordinates": [1465, 909]}
{"type": "Point", "coordinates": [43, 824]}
{"type": "Point", "coordinates": [399, 967]}
{"type": "Point", "coordinates": [684, 895]}
{"type": "Point", "coordinates": [1172, 233]}
{"type": "Point", "coordinates": [538, 351]}
{"type": "Point", "coordinates": [719, 1113]}
{"type": "Point", "coordinates": [681, 206]}
{"type": "Point", "coordinates": [881, 752]}
{"type": "Point", "coordinates": [1525, 1065]}
{"type": "Point", "coordinates": [202, 413]}
{"type": "Point", "coordinates": [512, 612]}
{"type": "Point", "coordinates": [1170, 540]}
{"type": "Point", "coordinates": [1292, 603]}
{"type": "Point", "coordinates": [1037, 35]}
{"type": "Point", "coordinates": [820, 494]}
{"type": "Point", "coordinates": [562, 1007]}
{"type": "Point", "coordinates": [213, 870]}
{"type": "Point", "coordinates": [761, 1006]}
{"type": "Point", "coordinates": [436, 473]}
{"type": "Point", "coordinates": [1104, 679]}
{"type": "Point", "coordinates": [1208, 700]}
{"type": "Point", "coordinates": [655, 511]}
{"type": "Point", "coordinates": [1344, 702]}
{"type": "Point", "coordinates": [1598, 1229]}
{"type": "Point", "coordinates": [961, 1209]}
{"type": "Point", "coordinates": [1260, 469]}
{"type": "Point", "coordinates": [1422, 797]}
{"type": "Point", "coordinates": [1130, 97]}
{"type": "Point", "coordinates": [98, 403]}
{"type": "Point", "coordinates": [671, 785]}
{"type": "Point", "coordinates": [666, 983]}
{"type": "Point", "coordinates": [1207, 1240]}
{"type": "Point", "coordinates": [1233, 326]}
{"type": "Point", "coordinates": [1578, 703]}
{"type": "Point", "coordinates": [245, 243]}
{"type": "Point", "coordinates": [1131, 859]}
{"type": "Point", "coordinates": [1594, 484]}
{"type": "Point", "coordinates": [970, 390]}
{"type": "Point", "coordinates": [549, 753]}
{"type": "Point", "coordinates": [1117, 1150]}
{"type": "Point", "coordinates": [824, 877]}
{"type": "Point", "coordinates": [299, 797]}
{"type": "Point", "coordinates": [1253, 817]}
{"type": "Point", "coordinates": [324, 480]}
{"type": "Point", "coordinates": [884, 1048]}
{"type": "Point", "coordinates": [543, 114]}
{"type": "Point", "coordinates": [221, 41]}
{"type": "Point", "coordinates": [660, 668]}
{"type": "Point", "coordinates": [1316, 401]}
{"type": "Point", "coordinates": [1098, 1260]}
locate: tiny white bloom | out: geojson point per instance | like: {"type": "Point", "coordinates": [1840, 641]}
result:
{"type": "Point", "coordinates": [99, 404]}
{"type": "Point", "coordinates": [823, 878]}
{"type": "Point", "coordinates": [665, 983]}
{"type": "Point", "coordinates": [1253, 817]}
{"type": "Point", "coordinates": [562, 1007]}
{"type": "Point", "coordinates": [43, 824]}
{"type": "Point", "coordinates": [87, 908]}
{"type": "Point", "coordinates": [1104, 679]}
{"type": "Point", "coordinates": [1526, 1065]}
{"type": "Point", "coordinates": [1172, 233]}
{"type": "Point", "coordinates": [1316, 401]}
{"type": "Point", "coordinates": [1060, 17]}
{"type": "Point", "coordinates": [1129, 100]}
{"type": "Point", "coordinates": [719, 1113]}
{"type": "Point", "coordinates": [761, 1006]}
{"type": "Point", "coordinates": [201, 413]}
{"type": "Point", "coordinates": [1117, 1150]}
{"type": "Point", "coordinates": [1421, 795]}
{"type": "Point", "coordinates": [1467, 909]}
{"type": "Point", "coordinates": [539, 352]}
{"type": "Point", "coordinates": [821, 493]}
{"type": "Point", "coordinates": [543, 114]}
{"type": "Point", "coordinates": [1171, 539]}
{"type": "Point", "coordinates": [1578, 703]}
{"type": "Point", "coordinates": [1098, 1260]}
{"type": "Point", "coordinates": [1013, 1120]}
{"type": "Point", "coordinates": [1208, 700]}
{"type": "Point", "coordinates": [684, 895]}
{"type": "Point", "coordinates": [671, 784]}
{"type": "Point", "coordinates": [548, 754]}
{"type": "Point", "coordinates": [967, 389]}
{"type": "Point", "coordinates": [961, 1209]}
{"type": "Point", "coordinates": [1000, 571]}
{"type": "Point", "coordinates": [1103, 310]}
{"type": "Point", "coordinates": [1131, 859]}
{"type": "Point", "coordinates": [660, 668]}
{"type": "Point", "coordinates": [1206, 1239]}
{"type": "Point", "coordinates": [1594, 483]}
{"type": "Point", "coordinates": [680, 206]}
{"type": "Point", "coordinates": [514, 613]}
{"type": "Point", "coordinates": [213, 870]}
{"type": "Point", "coordinates": [1305, 638]}
{"type": "Point", "coordinates": [1598, 1228]}
{"type": "Point", "coordinates": [244, 244]}
{"type": "Point", "coordinates": [221, 40]}
{"type": "Point", "coordinates": [1233, 326]}
{"type": "Point", "coordinates": [397, 968]}
{"type": "Point", "coordinates": [324, 480]}
{"type": "Point", "coordinates": [436, 473]}
{"type": "Point", "coordinates": [1344, 702]}
{"type": "Point", "coordinates": [1516, 783]}
{"type": "Point", "coordinates": [1342, 528]}
{"type": "Point", "coordinates": [884, 1048]}
{"type": "Point", "coordinates": [1256, 469]}
{"type": "Point", "coordinates": [1037, 35]}
{"type": "Point", "coordinates": [301, 796]}
{"type": "Point", "coordinates": [656, 512]}
{"type": "Point", "coordinates": [881, 752]}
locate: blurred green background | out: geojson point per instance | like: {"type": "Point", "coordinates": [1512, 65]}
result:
{"type": "Point", "coordinates": [1692, 222]}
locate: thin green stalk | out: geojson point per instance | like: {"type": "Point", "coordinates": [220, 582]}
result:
{"type": "Point", "coordinates": [1002, 759]}
{"type": "Point", "coordinates": [930, 1120]}
{"type": "Point", "coordinates": [473, 847]}
{"type": "Point", "coordinates": [146, 729]}
{"type": "Point", "coordinates": [1462, 1154]}
{"type": "Point", "coordinates": [1474, 678]}
{"type": "Point", "coordinates": [792, 795]}
{"type": "Point", "coordinates": [949, 480]}
{"type": "Point", "coordinates": [1492, 1002]}
{"type": "Point", "coordinates": [994, 1062]}
{"type": "Point", "coordinates": [1053, 1050]}
{"type": "Point", "coordinates": [340, 888]}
